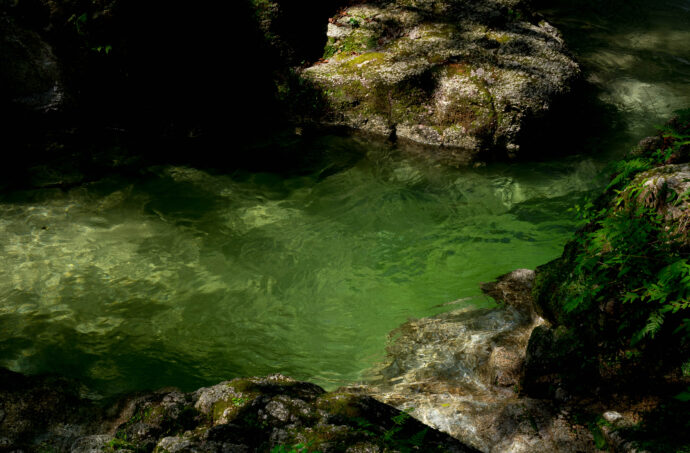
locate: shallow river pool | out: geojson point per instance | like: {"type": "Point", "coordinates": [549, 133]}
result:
{"type": "Point", "coordinates": [185, 276]}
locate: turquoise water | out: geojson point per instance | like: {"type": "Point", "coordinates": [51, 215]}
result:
{"type": "Point", "coordinates": [185, 276]}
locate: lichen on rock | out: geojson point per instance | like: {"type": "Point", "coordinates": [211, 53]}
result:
{"type": "Point", "coordinates": [452, 74]}
{"type": "Point", "coordinates": [256, 414]}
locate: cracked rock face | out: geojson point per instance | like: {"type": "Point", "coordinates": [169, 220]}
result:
{"type": "Point", "coordinates": [457, 74]}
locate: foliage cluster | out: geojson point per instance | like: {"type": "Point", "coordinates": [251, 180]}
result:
{"type": "Point", "coordinates": [624, 281]}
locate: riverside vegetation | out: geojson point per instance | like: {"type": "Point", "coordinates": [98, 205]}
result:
{"type": "Point", "coordinates": [606, 368]}
{"type": "Point", "coordinates": [623, 283]}
{"type": "Point", "coordinates": [618, 297]}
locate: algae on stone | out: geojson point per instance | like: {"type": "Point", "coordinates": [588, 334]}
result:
{"type": "Point", "coordinates": [273, 413]}
{"type": "Point", "coordinates": [445, 73]}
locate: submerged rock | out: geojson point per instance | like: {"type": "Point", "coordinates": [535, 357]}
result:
{"type": "Point", "coordinates": [455, 74]}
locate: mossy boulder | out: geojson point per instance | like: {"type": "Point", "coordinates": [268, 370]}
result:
{"type": "Point", "coordinates": [258, 414]}
{"type": "Point", "coordinates": [666, 189]}
{"type": "Point", "coordinates": [460, 75]}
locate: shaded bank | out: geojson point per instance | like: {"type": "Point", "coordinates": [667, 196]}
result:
{"type": "Point", "coordinates": [103, 85]}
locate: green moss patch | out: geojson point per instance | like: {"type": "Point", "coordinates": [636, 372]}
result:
{"type": "Point", "coordinates": [227, 409]}
{"type": "Point", "coordinates": [501, 38]}
{"type": "Point", "coordinates": [361, 64]}
{"type": "Point", "coordinates": [339, 404]}
{"type": "Point", "coordinates": [360, 40]}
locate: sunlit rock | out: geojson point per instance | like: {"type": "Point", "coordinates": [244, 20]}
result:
{"type": "Point", "coordinates": [459, 372]}
{"type": "Point", "coordinates": [463, 75]}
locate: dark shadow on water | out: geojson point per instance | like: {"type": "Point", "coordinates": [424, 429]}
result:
{"type": "Point", "coordinates": [577, 123]}
{"type": "Point", "coordinates": [106, 366]}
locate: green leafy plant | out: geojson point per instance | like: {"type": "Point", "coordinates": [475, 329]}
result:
{"type": "Point", "coordinates": [354, 22]}
{"type": "Point", "coordinates": [631, 255]}
{"type": "Point", "coordinates": [514, 14]}
{"type": "Point", "coordinates": [626, 274]}
{"type": "Point", "coordinates": [84, 25]}
{"type": "Point", "coordinates": [118, 444]}
{"type": "Point", "coordinates": [105, 49]}
{"type": "Point", "coordinates": [78, 21]}
{"type": "Point", "coordinates": [239, 402]}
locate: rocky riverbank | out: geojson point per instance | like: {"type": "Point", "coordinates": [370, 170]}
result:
{"type": "Point", "coordinates": [597, 360]}
{"type": "Point", "coordinates": [461, 372]}
{"type": "Point", "coordinates": [564, 370]}
{"type": "Point", "coordinates": [273, 413]}
{"type": "Point", "coordinates": [530, 375]}
{"type": "Point", "coordinates": [452, 383]}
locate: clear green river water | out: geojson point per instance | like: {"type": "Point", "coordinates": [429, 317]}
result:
{"type": "Point", "coordinates": [185, 276]}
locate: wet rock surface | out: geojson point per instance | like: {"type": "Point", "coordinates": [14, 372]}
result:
{"type": "Point", "coordinates": [242, 415]}
{"type": "Point", "coordinates": [514, 290]}
{"type": "Point", "coordinates": [477, 375]}
{"type": "Point", "coordinates": [454, 74]}
{"type": "Point", "coordinates": [460, 372]}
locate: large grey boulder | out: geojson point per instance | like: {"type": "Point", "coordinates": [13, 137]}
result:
{"type": "Point", "coordinates": [459, 74]}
